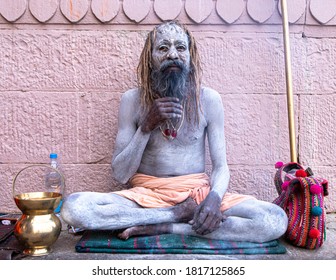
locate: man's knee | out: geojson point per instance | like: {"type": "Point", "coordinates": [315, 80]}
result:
{"type": "Point", "coordinates": [72, 211]}
{"type": "Point", "coordinates": [274, 223]}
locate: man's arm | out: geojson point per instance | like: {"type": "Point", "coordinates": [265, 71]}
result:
{"type": "Point", "coordinates": [131, 141]}
{"type": "Point", "coordinates": [207, 216]}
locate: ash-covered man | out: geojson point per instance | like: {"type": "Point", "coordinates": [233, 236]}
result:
{"type": "Point", "coordinates": [160, 152]}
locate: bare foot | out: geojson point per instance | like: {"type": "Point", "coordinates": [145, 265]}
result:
{"type": "Point", "coordinates": [145, 230]}
{"type": "Point", "coordinates": [184, 211]}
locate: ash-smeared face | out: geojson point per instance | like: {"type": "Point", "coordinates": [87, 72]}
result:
{"type": "Point", "coordinates": [171, 43]}
{"type": "Point", "coordinates": [171, 61]}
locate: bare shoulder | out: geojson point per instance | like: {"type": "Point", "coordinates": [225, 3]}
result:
{"type": "Point", "coordinates": [211, 101]}
{"type": "Point", "coordinates": [210, 95]}
{"type": "Point", "coordinates": [129, 106]}
{"type": "Point", "coordinates": [131, 96]}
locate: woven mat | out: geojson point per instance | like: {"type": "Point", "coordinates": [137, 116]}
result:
{"type": "Point", "coordinates": [108, 242]}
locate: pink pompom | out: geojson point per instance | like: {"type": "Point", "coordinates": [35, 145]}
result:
{"type": "Point", "coordinates": [279, 164]}
{"type": "Point", "coordinates": [314, 233]}
{"type": "Point", "coordinates": [315, 189]}
{"type": "Point", "coordinates": [285, 185]}
{"type": "Point", "coordinates": [301, 173]}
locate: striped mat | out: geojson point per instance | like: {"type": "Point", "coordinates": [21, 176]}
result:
{"type": "Point", "coordinates": [108, 242]}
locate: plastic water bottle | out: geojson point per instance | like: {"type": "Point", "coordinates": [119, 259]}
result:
{"type": "Point", "coordinates": [53, 179]}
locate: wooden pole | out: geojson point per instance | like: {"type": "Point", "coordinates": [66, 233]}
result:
{"type": "Point", "coordinates": [289, 88]}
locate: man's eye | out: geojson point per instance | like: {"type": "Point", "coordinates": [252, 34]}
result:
{"type": "Point", "coordinates": [163, 49]}
{"type": "Point", "coordinates": [181, 48]}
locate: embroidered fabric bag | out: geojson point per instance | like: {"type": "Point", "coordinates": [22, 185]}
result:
{"type": "Point", "coordinates": [301, 195]}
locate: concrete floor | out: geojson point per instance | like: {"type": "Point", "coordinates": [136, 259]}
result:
{"type": "Point", "coordinates": [64, 249]}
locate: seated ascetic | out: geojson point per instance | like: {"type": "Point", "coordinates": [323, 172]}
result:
{"type": "Point", "coordinates": [160, 153]}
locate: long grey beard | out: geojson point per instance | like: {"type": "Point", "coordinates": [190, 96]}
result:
{"type": "Point", "coordinates": [170, 83]}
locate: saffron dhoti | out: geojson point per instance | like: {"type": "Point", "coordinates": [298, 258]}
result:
{"type": "Point", "coordinates": [154, 192]}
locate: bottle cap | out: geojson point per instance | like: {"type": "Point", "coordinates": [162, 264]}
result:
{"type": "Point", "coordinates": [53, 155]}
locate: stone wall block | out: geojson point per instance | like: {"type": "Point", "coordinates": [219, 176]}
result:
{"type": "Point", "coordinates": [317, 133]}
{"type": "Point", "coordinates": [12, 10]}
{"type": "Point", "coordinates": [34, 124]}
{"type": "Point", "coordinates": [230, 10]}
{"type": "Point", "coordinates": [67, 60]}
{"type": "Point", "coordinates": [257, 181]}
{"type": "Point", "coordinates": [256, 65]}
{"type": "Point", "coordinates": [74, 10]}
{"type": "Point", "coordinates": [319, 68]}
{"type": "Point", "coordinates": [80, 127]}
{"type": "Point", "coordinates": [167, 10]}
{"type": "Point", "coordinates": [105, 10]}
{"type": "Point", "coordinates": [43, 10]}
{"type": "Point", "coordinates": [7, 174]}
{"type": "Point", "coordinates": [260, 10]}
{"type": "Point", "coordinates": [136, 10]}
{"type": "Point", "coordinates": [230, 62]}
{"type": "Point", "coordinates": [97, 128]}
{"type": "Point", "coordinates": [256, 129]}
{"type": "Point", "coordinates": [198, 10]}
{"type": "Point", "coordinates": [6, 61]}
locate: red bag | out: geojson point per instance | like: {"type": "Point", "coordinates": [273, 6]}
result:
{"type": "Point", "coordinates": [302, 197]}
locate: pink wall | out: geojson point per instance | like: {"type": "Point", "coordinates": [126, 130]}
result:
{"type": "Point", "coordinates": [64, 65]}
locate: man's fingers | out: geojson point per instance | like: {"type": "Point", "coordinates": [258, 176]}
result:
{"type": "Point", "coordinates": [168, 99]}
{"type": "Point", "coordinates": [206, 223]}
{"type": "Point", "coordinates": [169, 103]}
{"type": "Point", "coordinates": [200, 222]}
{"type": "Point", "coordinates": [203, 217]}
{"type": "Point", "coordinates": [203, 228]}
{"type": "Point", "coordinates": [171, 110]}
{"type": "Point", "coordinates": [206, 229]}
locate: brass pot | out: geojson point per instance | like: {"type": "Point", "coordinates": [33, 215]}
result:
{"type": "Point", "coordinates": [39, 227]}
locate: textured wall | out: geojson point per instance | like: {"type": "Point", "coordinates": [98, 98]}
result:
{"type": "Point", "coordinates": [64, 65]}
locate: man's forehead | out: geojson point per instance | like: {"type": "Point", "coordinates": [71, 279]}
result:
{"type": "Point", "coordinates": [171, 32]}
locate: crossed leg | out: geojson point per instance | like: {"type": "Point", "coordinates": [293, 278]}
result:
{"type": "Point", "coordinates": [101, 211]}
{"type": "Point", "coordinates": [251, 220]}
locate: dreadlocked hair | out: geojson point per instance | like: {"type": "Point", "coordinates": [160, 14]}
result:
{"type": "Point", "coordinates": [192, 102]}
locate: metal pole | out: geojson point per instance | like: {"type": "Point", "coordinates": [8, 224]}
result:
{"type": "Point", "coordinates": [289, 89]}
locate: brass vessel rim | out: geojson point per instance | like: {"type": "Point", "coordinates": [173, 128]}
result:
{"type": "Point", "coordinates": [37, 195]}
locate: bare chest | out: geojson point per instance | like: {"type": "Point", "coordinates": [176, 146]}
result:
{"type": "Point", "coordinates": [184, 137]}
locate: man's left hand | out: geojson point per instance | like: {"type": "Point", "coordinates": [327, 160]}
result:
{"type": "Point", "coordinates": [208, 216]}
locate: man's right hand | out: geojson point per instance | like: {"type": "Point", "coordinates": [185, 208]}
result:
{"type": "Point", "coordinates": [161, 110]}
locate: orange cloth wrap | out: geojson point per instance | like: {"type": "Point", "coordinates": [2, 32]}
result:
{"type": "Point", "coordinates": [153, 192]}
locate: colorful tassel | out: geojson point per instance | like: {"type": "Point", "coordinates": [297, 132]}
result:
{"type": "Point", "coordinates": [279, 164]}
{"type": "Point", "coordinates": [316, 211]}
{"type": "Point", "coordinates": [315, 189]}
{"type": "Point", "coordinates": [301, 173]}
{"type": "Point", "coordinates": [314, 233]}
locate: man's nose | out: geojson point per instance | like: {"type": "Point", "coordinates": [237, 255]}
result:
{"type": "Point", "coordinates": [172, 54]}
